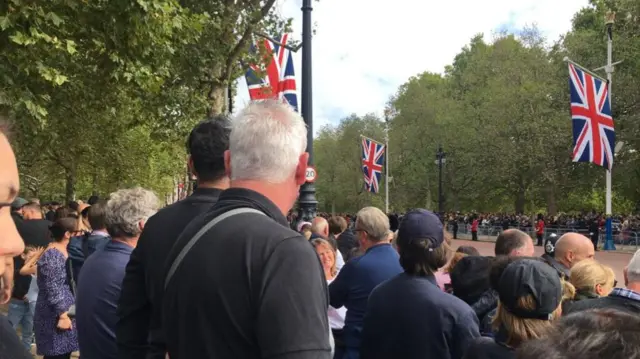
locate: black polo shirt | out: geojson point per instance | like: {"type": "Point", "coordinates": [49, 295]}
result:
{"type": "Point", "coordinates": [249, 288]}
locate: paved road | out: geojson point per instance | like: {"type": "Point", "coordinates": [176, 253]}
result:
{"type": "Point", "coordinates": [615, 260]}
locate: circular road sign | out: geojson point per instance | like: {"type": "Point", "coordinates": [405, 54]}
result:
{"type": "Point", "coordinates": [311, 174]}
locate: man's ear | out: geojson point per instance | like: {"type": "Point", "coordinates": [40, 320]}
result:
{"type": "Point", "coordinates": [192, 169]}
{"type": "Point", "coordinates": [301, 169]}
{"type": "Point", "coordinates": [141, 225]}
{"type": "Point", "coordinates": [227, 163]}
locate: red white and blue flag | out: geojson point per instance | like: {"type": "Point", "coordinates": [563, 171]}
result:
{"type": "Point", "coordinates": [593, 133]}
{"type": "Point", "coordinates": [279, 81]}
{"type": "Point", "coordinates": [372, 161]}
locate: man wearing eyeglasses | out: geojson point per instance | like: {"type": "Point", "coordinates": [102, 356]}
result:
{"type": "Point", "coordinates": [360, 275]}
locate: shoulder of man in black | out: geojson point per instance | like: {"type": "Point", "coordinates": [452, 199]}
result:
{"type": "Point", "coordinates": [10, 345]}
{"type": "Point", "coordinates": [251, 264]}
{"type": "Point", "coordinates": [137, 309]}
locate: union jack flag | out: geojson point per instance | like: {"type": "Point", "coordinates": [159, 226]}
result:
{"type": "Point", "coordinates": [593, 133]}
{"type": "Point", "coordinates": [372, 160]}
{"type": "Point", "coordinates": [280, 80]}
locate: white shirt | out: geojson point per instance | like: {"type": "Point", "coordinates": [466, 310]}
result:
{"type": "Point", "coordinates": [339, 261]}
{"type": "Point", "coordinates": [336, 316]}
{"type": "Point", "coordinates": [32, 294]}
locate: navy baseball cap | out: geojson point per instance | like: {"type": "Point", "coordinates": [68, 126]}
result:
{"type": "Point", "coordinates": [420, 224]}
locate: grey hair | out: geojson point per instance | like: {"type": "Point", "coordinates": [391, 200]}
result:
{"type": "Point", "coordinates": [126, 208]}
{"type": "Point", "coordinates": [374, 222]}
{"type": "Point", "coordinates": [266, 141]}
{"type": "Point", "coordinates": [633, 269]}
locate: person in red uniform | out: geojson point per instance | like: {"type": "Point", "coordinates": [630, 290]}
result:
{"type": "Point", "coordinates": [474, 228]}
{"type": "Point", "coordinates": [540, 229]}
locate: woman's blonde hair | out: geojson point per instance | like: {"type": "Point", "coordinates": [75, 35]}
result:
{"type": "Point", "coordinates": [457, 256]}
{"type": "Point", "coordinates": [522, 329]}
{"type": "Point", "coordinates": [323, 242]}
{"type": "Point", "coordinates": [588, 273]}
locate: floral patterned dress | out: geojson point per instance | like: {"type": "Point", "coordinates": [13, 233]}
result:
{"type": "Point", "coordinates": [54, 298]}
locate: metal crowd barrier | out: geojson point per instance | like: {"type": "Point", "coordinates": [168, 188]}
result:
{"type": "Point", "coordinates": [625, 240]}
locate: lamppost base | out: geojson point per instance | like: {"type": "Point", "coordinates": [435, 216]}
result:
{"type": "Point", "coordinates": [609, 245]}
{"type": "Point", "coordinates": [307, 203]}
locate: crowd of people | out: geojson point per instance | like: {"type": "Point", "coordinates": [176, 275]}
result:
{"type": "Point", "coordinates": [225, 274]}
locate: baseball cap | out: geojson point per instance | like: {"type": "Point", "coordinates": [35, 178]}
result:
{"type": "Point", "coordinates": [18, 203]}
{"type": "Point", "coordinates": [420, 224]}
{"type": "Point", "coordinates": [530, 277]}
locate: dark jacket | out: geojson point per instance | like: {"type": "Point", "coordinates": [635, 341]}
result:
{"type": "Point", "coordinates": [250, 288]}
{"type": "Point", "coordinates": [34, 232]}
{"type": "Point", "coordinates": [347, 242]}
{"type": "Point", "coordinates": [563, 271]}
{"type": "Point", "coordinates": [81, 247]}
{"type": "Point", "coordinates": [483, 307]}
{"type": "Point", "coordinates": [611, 302]}
{"type": "Point", "coordinates": [98, 290]}
{"type": "Point", "coordinates": [490, 348]}
{"type": "Point", "coordinates": [410, 317]}
{"type": "Point", "coordinates": [354, 283]}
{"type": "Point", "coordinates": [139, 330]}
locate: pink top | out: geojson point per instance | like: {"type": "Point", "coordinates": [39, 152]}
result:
{"type": "Point", "coordinates": [442, 278]}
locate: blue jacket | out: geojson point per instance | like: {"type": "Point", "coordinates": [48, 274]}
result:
{"type": "Point", "coordinates": [354, 283]}
{"type": "Point", "coordinates": [96, 241]}
{"type": "Point", "coordinates": [98, 291]}
{"type": "Point", "coordinates": [410, 317]}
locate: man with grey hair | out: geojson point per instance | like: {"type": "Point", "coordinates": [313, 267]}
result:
{"type": "Point", "coordinates": [239, 282]}
{"type": "Point", "coordinates": [358, 277]}
{"type": "Point", "coordinates": [625, 299]}
{"type": "Point", "coordinates": [100, 281]}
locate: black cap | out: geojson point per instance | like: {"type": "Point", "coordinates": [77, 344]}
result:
{"type": "Point", "coordinates": [530, 277]}
{"type": "Point", "coordinates": [420, 224]}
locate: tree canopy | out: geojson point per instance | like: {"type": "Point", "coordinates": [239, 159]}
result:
{"type": "Point", "coordinates": [102, 93]}
{"type": "Point", "coordinates": [501, 112]}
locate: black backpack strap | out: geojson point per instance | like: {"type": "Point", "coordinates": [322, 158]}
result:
{"type": "Point", "coordinates": [185, 250]}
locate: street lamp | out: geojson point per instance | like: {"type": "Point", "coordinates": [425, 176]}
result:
{"type": "Point", "coordinates": [307, 203]}
{"type": "Point", "coordinates": [440, 161]}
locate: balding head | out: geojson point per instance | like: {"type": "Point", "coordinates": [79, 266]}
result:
{"type": "Point", "coordinates": [320, 226]}
{"type": "Point", "coordinates": [572, 247]}
{"type": "Point", "coordinates": [515, 243]}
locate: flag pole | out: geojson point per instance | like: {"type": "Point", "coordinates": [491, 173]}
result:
{"type": "Point", "coordinates": [386, 165]}
{"type": "Point", "coordinates": [609, 244]}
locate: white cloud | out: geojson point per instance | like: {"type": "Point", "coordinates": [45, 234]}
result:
{"type": "Point", "coordinates": [364, 49]}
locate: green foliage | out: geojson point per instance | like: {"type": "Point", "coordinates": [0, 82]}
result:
{"type": "Point", "coordinates": [103, 93]}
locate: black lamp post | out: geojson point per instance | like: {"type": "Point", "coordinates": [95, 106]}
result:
{"type": "Point", "coordinates": [440, 160]}
{"type": "Point", "coordinates": [307, 203]}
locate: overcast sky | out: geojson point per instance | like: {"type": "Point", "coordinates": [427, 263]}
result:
{"type": "Point", "coordinates": [364, 50]}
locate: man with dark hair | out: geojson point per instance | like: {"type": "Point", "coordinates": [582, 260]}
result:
{"type": "Point", "coordinates": [409, 316]}
{"type": "Point", "coordinates": [81, 247]}
{"type": "Point", "coordinates": [93, 200]}
{"type": "Point", "coordinates": [139, 330]}
{"type": "Point", "coordinates": [593, 334]}
{"type": "Point", "coordinates": [514, 242]}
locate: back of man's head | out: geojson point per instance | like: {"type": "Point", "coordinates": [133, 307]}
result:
{"type": "Point", "coordinates": [320, 226]}
{"type": "Point", "coordinates": [266, 143]}
{"type": "Point", "coordinates": [206, 145]}
{"type": "Point", "coordinates": [32, 210]}
{"type": "Point", "coordinates": [374, 223]}
{"type": "Point", "coordinates": [632, 272]}
{"type": "Point", "coordinates": [514, 242]}
{"type": "Point", "coordinates": [97, 216]}
{"type": "Point", "coordinates": [572, 247]}
{"type": "Point", "coordinates": [337, 225]}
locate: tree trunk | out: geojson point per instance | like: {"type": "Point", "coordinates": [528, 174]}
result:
{"type": "Point", "coordinates": [218, 100]}
{"type": "Point", "coordinates": [552, 206]}
{"type": "Point", "coordinates": [70, 184]}
{"type": "Point", "coordinates": [520, 201]}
